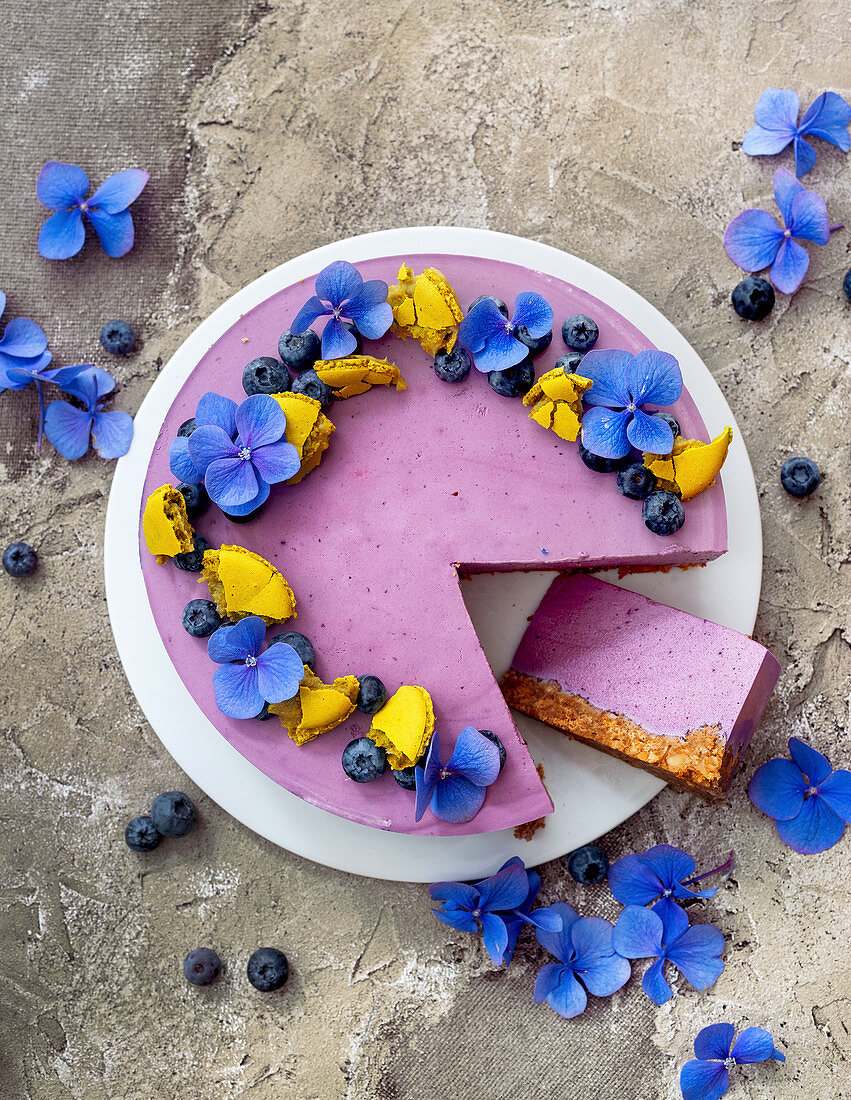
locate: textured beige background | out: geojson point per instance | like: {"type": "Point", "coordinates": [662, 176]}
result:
{"type": "Point", "coordinates": [611, 129]}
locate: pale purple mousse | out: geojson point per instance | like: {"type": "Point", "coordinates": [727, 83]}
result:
{"type": "Point", "coordinates": [413, 483]}
{"type": "Point", "coordinates": [666, 670]}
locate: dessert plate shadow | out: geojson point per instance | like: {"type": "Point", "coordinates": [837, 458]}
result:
{"type": "Point", "coordinates": [591, 791]}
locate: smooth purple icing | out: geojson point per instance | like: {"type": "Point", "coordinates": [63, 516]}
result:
{"type": "Point", "coordinates": [413, 483]}
{"type": "Point", "coordinates": [666, 670]}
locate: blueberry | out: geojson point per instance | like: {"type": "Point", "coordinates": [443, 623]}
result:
{"type": "Point", "coordinates": [372, 694]}
{"type": "Point", "coordinates": [118, 338]}
{"type": "Point", "coordinates": [570, 363]}
{"type": "Point", "coordinates": [263, 715]}
{"type": "Point", "coordinates": [268, 969]}
{"type": "Point", "coordinates": [299, 350]}
{"type": "Point", "coordinates": [363, 760]}
{"type": "Point", "coordinates": [602, 465]}
{"type": "Point", "coordinates": [491, 736]}
{"type": "Point", "coordinates": [405, 778]}
{"type": "Point", "coordinates": [247, 518]}
{"type": "Point", "coordinates": [194, 497]}
{"type": "Point", "coordinates": [588, 864]}
{"type": "Point", "coordinates": [753, 298]}
{"type": "Point", "coordinates": [173, 813]}
{"type": "Point", "coordinates": [636, 481]}
{"type": "Point", "coordinates": [265, 375]}
{"type": "Point", "coordinates": [200, 618]}
{"type": "Point", "coordinates": [142, 835]}
{"type": "Point", "coordinates": [580, 332]}
{"type": "Point", "coordinates": [193, 560]}
{"type": "Point", "coordinates": [453, 366]}
{"type": "Point", "coordinates": [663, 513]}
{"type": "Point", "coordinates": [846, 284]}
{"type": "Point", "coordinates": [514, 381]}
{"type": "Point", "coordinates": [300, 644]}
{"type": "Point", "coordinates": [187, 427]}
{"type": "Point", "coordinates": [536, 345]}
{"type": "Point", "coordinates": [800, 476]}
{"type": "Point", "coordinates": [498, 302]}
{"type": "Point", "coordinates": [20, 560]}
{"type": "Point", "coordinates": [671, 421]}
{"type": "Point", "coordinates": [309, 383]}
{"type": "Point", "coordinates": [202, 966]}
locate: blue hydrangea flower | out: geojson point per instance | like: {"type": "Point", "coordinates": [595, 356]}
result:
{"type": "Point", "coordinates": [707, 1077]}
{"type": "Point", "coordinates": [238, 470]}
{"type": "Point", "coordinates": [753, 239]}
{"type": "Point", "coordinates": [71, 429]}
{"type": "Point", "coordinates": [588, 962]}
{"type": "Point", "coordinates": [63, 188]}
{"type": "Point", "coordinates": [666, 937]}
{"type": "Point", "coordinates": [23, 352]}
{"type": "Point", "coordinates": [623, 385]}
{"type": "Point", "coordinates": [341, 294]}
{"type": "Point", "coordinates": [247, 678]}
{"type": "Point", "coordinates": [500, 905]}
{"type": "Point", "coordinates": [489, 337]}
{"type": "Point", "coordinates": [809, 800]}
{"type": "Point", "coordinates": [776, 115]}
{"type": "Point", "coordinates": [213, 409]}
{"type": "Point", "coordinates": [656, 878]}
{"type": "Point", "coordinates": [456, 790]}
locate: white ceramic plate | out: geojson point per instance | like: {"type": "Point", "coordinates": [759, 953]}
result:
{"type": "Point", "coordinates": [592, 792]}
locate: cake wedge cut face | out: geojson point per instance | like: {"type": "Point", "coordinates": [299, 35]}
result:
{"type": "Point", "coordinates": [656, 687]}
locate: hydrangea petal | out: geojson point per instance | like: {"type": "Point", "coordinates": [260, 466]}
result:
{"type": "Point", "coordinates": [250, 505]}
{"type": "Point", "coordinates": [337, 341]}
{"type": "Point", "coordinates": [559, 943]}
{"type": "Point", "coordinates": [16, 373]}
{"type": "Point", "coordinates": [534, 312]}
{"type": "Point", "coordinates": [180, 461]}
{"type": "Point", "coordinates": [752, 239]}
{"type": "Point", "coordinates": [663, 907]}
{"type": "Point", "coordinates": [62, 235]}
{"type": "Point", "coordinates": [805, 156]}
{"type": "Point", "coordinates": [655, 984]}
{"type": "Point", "coordinates": [370, 310]}
{"type": "Point", "coordinates": [638, 933]}
{"type": "Point", "coordinates": [115, 231]}
{"type": "Point", "coordinates": [704, 1080]}
{"type": "Point", "coordinates": [494, 936]}
{"type": "Point", "coordinates": [338, 282]}
{"type": "Point", "coordinates": [61, 185]}
{"type": "Point", "coordinates": [2, 303]}
{"type": "Point", "coordinates": [815, 829]}
{"type": "Point", "coordinates": [23, 339]}
{"type": "Point", "coordinates": [279, 672]}
{"type": "Point", "coordinates": [567, 997]}
{"type": "Point", "coordinates": [714, 1041]}
{"type": "Point", "coordinates": [654, 376]}
{"type": "Point", "coordinates": [760, 142]}
{"type": "Point", "coordinates": [546, 919]}
{"type": "Point", "coordinates": [671, 865]}
{"type": "Point", "coordinates": [457, 918]}
{"type": "Point", "coordinates": [235, 643]}
{"type": "Point", "coordinates": [457, 800]}
{"type": "Point", "coordinates": [603, 971]}
{"type": "Point", "coordinates": [696, 954]}
{"type": "Point", "coordinates": [476, 758]}
{"type": "Point", "coordinates": [786, 188]}
{"type": "Point", "coordinates": [777, 109]}
{"type": "Point", "coordinates": [674, 923]}
{"type": "Point", "coordinates": [119, 190]}
{"type": "Point", "coordinates": [753, 1045]}
{"type": "Point", "coordinates": [809, 218]}
{"type": "Point", "coordinates": [208, 443]}
{"type": "Point", "coordinates": [633, 882]}
{"type": "Point", "coordinates": [276, 462]}
{"type": "Point", "coordinates": [505, 890]}
{"type": "Point", "coordinates": [434, 760]}
{"type": "Point", "coordinates": [219, 411]}
{"type": "Point", "coordinates": [607, 369]}
{"type": "Point", "coordinates": [604, 431]}
{"type": "Point", "coordinates": [513, 928]}
{"type": "Point", "coordinates": [424, 793]}
{"type": "Point", "coordinates": [112, 433]}
{"type": "Point", "coordinates": [68, 428]}
{"type": "Point", "coordinates": [481, 324]}
{"type": "Point", "coordinates": [454, 895]}
{"type": "Point", "coordinates": [789, 267]}
{"type": "Point", "coordinates": [312, 309]}
{"type": "Point", "coordinates": [260, 420]}
{"type": "Point", "coordinates": [235, 687]}
{"type": "Point", "coordinates": [650, 433]}
{"type": "Point", "coordinates": [778, 789]}
{"type": "Point", "coordinates": [827, 117]}
{"type": "Point", "coordinates": [815, 765]}
{"type": "Point", "coordinates": [547, 980]}
{"type": "Point", "coordinates": [230, 481]}
{"type": "Point", "coordinates": [89, 384]}
{"type": "Point", "coordinates": [499, 353]}
{"type": "Point", "coordinates": [607, 974]}
{"type": "Point", "coordinates": [836, 792]}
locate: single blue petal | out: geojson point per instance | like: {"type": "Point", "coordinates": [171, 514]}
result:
{"type": "Point", "coordinates": [805, 156]}
{"type": "Point", "coordinates": [309, 312]}
{"type": "Point", "coordinates": [674, 923]}
{"type": "Point", "coordinates": [815, 765]}
{"type": "Point", "coordinates": [633, 882]}
{"type": "Point", "coordinates": [752, 239]}
{"type": "Point", "coordinates": [235, 643]}
{"type": "Point", "coordinates": [603, 971]}
{"type": "Point", "coordinates": [23, 339]}
{"type": "Point", "coordinates": [504, 890]}
{"type": "Point", "coordinates": [112, 433]}
{"type": "Point", "coordinates": [650, 433]}
{"type": "Point", "coordinates": [789, 267]}
{"type": "Point", "coordinates": [209, 443]}
{"type": "Point", "coordinates": [276, 461]}
{"type": "Point", "coordinates": [180, 462]}
{"type": "Point", "coordinates": [753, 1045]}
{"type": "Point", "coordinates": [608, 369]}
{"type": "Point", "coordinates": [89, 384]}
{"type": "Point", "coordinates": [2, 303]}
{"type": "Point", "coordinates": [697, 955]}
{"type": "Point", "coordinates": [533, 312]}
{"type": "Point", "coordinates": [219, 411]}
{"type": "Point", "coordinates": [119, 190]}
{"type": "Point", "coordinates": [230, 481]}
{"type": "Point", "coordinates": [457, 918]}
{"type": "Point", "coordinates": [68, 428]}
{"type": "Point", "coordinates": [424, 793]}
{"type": "Point", "coordinates": [260, 420]}
{"type": "Point", "coordinates": [760, 142]}
{"type": "Point", "coordinates": [816, 828]}
{"type": "Point", "coordinates": [482, 323]}
{"type": "Point", "coordinates": [370, 310]}
{"type": "Point", "coordinates": [16, 373]}
{"type": "Point", "coordinates": [654, 376]}
{"type": "Point", "coordinates": [704, 1080]}
{"type": "Point", "coordinates": [604, 431]}
{"type": "Point", "coordinates": [655, 984]}
{"type": "Point", "coordinates": [827, 117]}
{"type": "Point", "coordinates": [546, 919]}
{"type": "Point", "coordinates": [671, 865]}
{"type": "Point", "coordinates": [279, 672]}
{"type": "Point", "coordinates": [433, 763]}
{"type": "Point", "coordinates": [778, 789]}
{"type": "Point", "coordinates": [476, 759]}
{"type": "Point", "coordinates": [786, 189]}
{"type": "Point", "coordinates": [499, 353]}
{"type": "Point", "coordinates": [836, 792]}
{"type": "Point", "coordinates": [457, 800]}
{"type": "Point", "coordinates": [61, 185]}
{"type": "Point", "coordinates": [547, 980]}
{"type": "Point", "coordinates": [235, 687]}
{"type": "Point", "coordinates": [777, 109]}
{"type": "Point", "coordinates": [115, 231]}
{"type": "Point", "coordinates": [63, 375]}
{"type": "Point", "coordinates": [559, 943]}
{"type": "Point", "coordinates": [809, 218]}
{"type": "Point", "coordinates": [513, 928]}
{"type": "Point", "coordinates": [250, 505]}
{"type": "Point", "coordinates": [455, 895]}
{"type": "Point", "coordinates": [62, 235]}
{"type": "Point", "coordinates": [638, 933]}
{"type": "Point", "coordinates": [662, 909]}
{"type": "Point", "coordinates": [338, 282]}
{"type": "Point", "coordinates": [337, 341]}
{"type": "Point", "coordinates": [567, 997]}
{"type": "Point", "coordinates": [714, 1041]}
{"type": "Point", "coordinates": [607, 974]}
{"type": "Point", "coordinates": [494, 936]}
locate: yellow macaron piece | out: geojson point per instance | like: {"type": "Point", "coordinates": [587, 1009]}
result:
{"type": "Point", "coordinates": [242, 583]}
{"type": "Point", "coordinates": [691, 466]}
{"type": "Point", "coordinates": [165, 524]}
{"type": "Point", "coordinates": [404, 726]}
{"type": "Point", "coordinates": [556, 402]}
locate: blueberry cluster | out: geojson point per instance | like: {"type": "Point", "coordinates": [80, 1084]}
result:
{"type": "Point", "coordinates": [172, 814]}
{"type": "Point", "coordinates": [267, 970]}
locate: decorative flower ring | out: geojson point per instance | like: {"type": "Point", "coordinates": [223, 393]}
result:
{"type": "Point", "coordinates": [776, 115]}
{"type": "Point", "coordinates": [247, 678]}
{"type": "Point", "coordinates": [63, 188]}
{"type": "Point", "coordinates": [622, 385]}
{"type": "Point", "coordinates": [809, 800]}
{"type": "Point", "coordinates": [341, 294]}
{"type": "Point", "coordinates": [456, 790]}
{"type": "Point", "coordinates": [707, 1077]}
{"type": "Point", "coordinates": [656, 878]}
{"type": "Point", "coordinates": [71, 429]}
{"type": "Point", "coordinates": [489, 336]}
{"type": "Point", "coordinates": [588, 962]}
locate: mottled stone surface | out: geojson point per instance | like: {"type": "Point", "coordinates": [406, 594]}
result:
{"type": "Point", "coordinates": [611, 129]}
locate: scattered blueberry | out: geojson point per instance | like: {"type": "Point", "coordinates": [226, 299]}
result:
{"type": "Point", "coordinates": [799, 476]}
{"type": "Point", "coordinates": [187, 427]}
{"type": "Point", "coordinates": [588, 864]}
{"type": "Point", "coordinates": [302, 646]}
{"type": "Point", "coordinates": [453, 366]}
{"type": "Point", "coordinates": [753, 298]}
{"type": "Point", "coordinates": [193, 560]}
{"type": "Point", "coordinates": [20, 560]}
{"type": "Point", "coordinates": [602, 465]}
{"type": "Point", "coordinates": [569, 363]}
{"type": "Point", "coordinates": [671, 421]}
{"type": "Point", "coordinates": [580, 332]}
{"type": "Point", "coordinates": [246, 518]}
{"type": "Point", "coordinates": [846, 284]}
{"type": "Point", "coordinates": [636, 481]}
{"type": "Point", "coordinates": [363, 760]}
{"type": "Point", "coordinates": [118, 338]}
{"type": "Point", "coordinates": [142, 835]}
{"type": "Point", "coordinates": [263, 714]}
{"type": "Point", "coordinates": [200, 618]}
{"type": "Point", "coordinates": [536, 345]}
{"type": "Point", "coordinates": [491, 736]}
{"type": "Point", "coordinates": [202, 966]}
{"type": "Point", "coordinates": [299, 350]}
{"type": "Point", "coordinates": [514, 381]}
{"type": "Point", "coordinates": [663, 513]}
{"type": "Point", "coordinates": [268, 969]}
{"type": "Point", "coordinates": [173, 813]}
{"type": "Point", "coordinates": [372, 695]}
{"type": "Point", "coordinates": [498, 302]}
{"type": "Point", "coordinates": [265, 375]}
{"type": "Point", "coordinates": [194, 497]}
{"type": "Point", "coordinates": [309, 383]}
{"type": "Point", "coordinates": [405, 778]}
